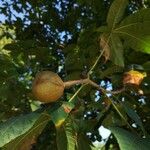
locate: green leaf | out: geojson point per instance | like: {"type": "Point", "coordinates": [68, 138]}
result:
{"type": "Point", "coordinates": [87, 125]}
{"type": "Point", "coordinates": [83, 142]}
{"type": "Point", "coordinates": [133, 115]}
{"type": "Point", "coordinates": [71, 135]}
{"type": "Point", "coordinates": [146, 66]}
{"type": "Point", "coordinates": [110, 71]}
{"type": "Point", "coordinates": [15, 127]}
{"type": "Point", "coordinates": [69, 49]}
{"type": "Point", "coordinates": [74, 61]}
{"type": "Point", "coordinates": [114, 118]}
{"type": "Point", "coordinates": [135, 30]}
{"type": "Point", "coordinates": [113, 48]}
{"type": "Point", "coordinates": [59, 115]}
{"type": "Point", "coordinates": [61, 138]}
{"type": "Point", "coordinates": [116, 53]}
{"type": "Point", "coordinates": [73, 75]}
{"type": "Point", "coordinates": [102, 29]}
{"type": "Point", "coordinates": [36, 129]}
{"type": "Point", "coordinates": [127, 140]}
{"type": "Point", "coordinates": [116, 12]}
{"type": "Point", "coordinates": [20, 45]}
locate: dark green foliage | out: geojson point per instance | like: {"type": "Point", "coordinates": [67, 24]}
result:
{"type": "Point", "coordinates": [130, 141]}
{"type": "Point", "coordinates": [77, 39]}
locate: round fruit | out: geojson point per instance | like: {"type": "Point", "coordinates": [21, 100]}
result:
{"type": "Point", "coordinates": [47, 86]}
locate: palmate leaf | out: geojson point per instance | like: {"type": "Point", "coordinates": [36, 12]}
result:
{"type": "Point", "coordinates": [116, 12]}
{"type": "Point", "coordinates": [31, 134]}
{"type": "Point", "coordinates": [129, 141]}
{"type": "Point", "coordinates": [15, 127]}
{"type": "Point", "coordinates": [135, 30]}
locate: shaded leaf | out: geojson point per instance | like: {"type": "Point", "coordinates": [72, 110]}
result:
{"type": "Point", "coordinates": [83, 142]}
{"type": "Point", "coordinates": [69, 48]}
{"type": "Point", "coordinates": [102, 29]}
{"type": "Point", "coordinates": [147, 66]}
{"type": "Point", "coordinates": [73, 61]}
{"type": "Point", "coordinates": [113, 48]}
{"type": "Point", "coordinates": [71, 135]}
{"type": "Point", "coordinates": [116, 54]}
{"type": "Point", "coordinates": [74, 75]}
{"type": "Point", "coordinates": [27, 144]}
{"type": "Point", "coordinates": [110, 71]}
{"type": "Point", "coordinates": [116, 12]}
{"type": "Point", "coordinates": [130, 141]}
{"type": "Point", "coordinates": [104, 43]}
{"type": "Point", "coordinates": [87, 125]}
{"type": "Point", "coordinates": [115, 118]}
{"type": "Point", "coordinates": [61, 138]}
{"type": "Point", "coordinates": [134, 116]}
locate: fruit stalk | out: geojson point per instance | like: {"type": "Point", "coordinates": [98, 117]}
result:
{"type": "Point", "coordinates": [68, 84]}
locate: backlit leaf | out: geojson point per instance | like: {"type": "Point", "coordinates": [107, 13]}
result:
{"type": "Point", "coordinates": [59, 115]}
{"type": "Point", "coordinates": [135, 30]}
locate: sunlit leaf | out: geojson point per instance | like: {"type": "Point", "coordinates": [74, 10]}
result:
{"type": "Point", "coordinates": [32, 133]}
{"type": "Point", "coordinates": [135, 30]}
{"type": "Point", "coordinates": [15, 127]}
{"type": "Point", "coordinates": [59, 115]}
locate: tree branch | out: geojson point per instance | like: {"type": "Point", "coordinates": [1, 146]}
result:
{"type": "Point", "coordinates": [69, 84]}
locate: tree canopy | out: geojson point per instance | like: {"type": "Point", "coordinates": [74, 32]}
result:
{"type": "Point", "coordinates": [103, 46]}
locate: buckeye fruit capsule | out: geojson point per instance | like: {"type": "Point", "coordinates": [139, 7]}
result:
{"type": "Point", "coordinates": [47, 87]}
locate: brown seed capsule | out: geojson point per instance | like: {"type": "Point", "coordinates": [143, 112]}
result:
{"type": "Point", "coordinates": [47, 87]}
{"type": "Point", "coordinates": [133, 77]}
